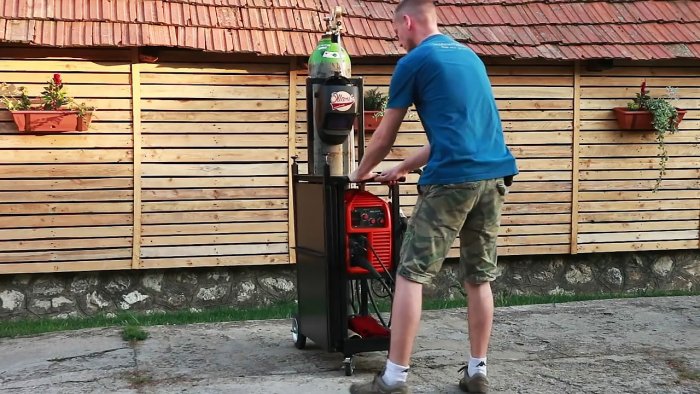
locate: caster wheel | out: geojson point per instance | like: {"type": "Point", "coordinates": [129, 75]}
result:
{"type": "Point", "coordinates": [348, 366]}
{"type": "Point", "coordinates": [298, 338]}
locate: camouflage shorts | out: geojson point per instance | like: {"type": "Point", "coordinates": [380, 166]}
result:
{"type": "Point", "coordinates": [471, 210]}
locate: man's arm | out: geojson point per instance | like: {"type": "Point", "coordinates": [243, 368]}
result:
{"type": "Point", "coordinates": [416, 160]}
{"type": "Point", "coordinates": [380, 144]}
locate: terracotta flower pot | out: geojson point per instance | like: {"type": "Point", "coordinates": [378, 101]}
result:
{"type": "Point", "coordinates": [639, 120]}
{"type": "Point", "coordinates": [371, 122]}
{"type": "Point", "coordinates": [51, 121]}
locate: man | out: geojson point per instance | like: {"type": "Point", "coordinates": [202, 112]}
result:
{"type": "Point", "coordinates": [461, 189]}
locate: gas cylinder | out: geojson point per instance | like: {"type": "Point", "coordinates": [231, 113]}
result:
{"type": "Point", "coordinates": [328, 58]}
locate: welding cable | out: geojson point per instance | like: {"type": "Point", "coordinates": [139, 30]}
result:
{"type": "Point", "coordinates": [376, 256]}
{"type": "Point", "coordinates": [376, 309]}
{"type": "Point", "coordinates": [352, 296]}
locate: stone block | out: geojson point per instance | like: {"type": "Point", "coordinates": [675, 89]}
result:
{"type": "Point", "coordinates": [11, 300]}
{"type": "Point", "coordinates": [662, 266]}
{"type": "Point", "coordinates": [48, 286]}
{"type": "Point", "coordinates": [118, 283]}
{"type": "Point", "coordinates": [82, 283]}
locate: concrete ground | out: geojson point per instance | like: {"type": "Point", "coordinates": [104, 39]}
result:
{"type": "Point", "coordinates": [644, 345]}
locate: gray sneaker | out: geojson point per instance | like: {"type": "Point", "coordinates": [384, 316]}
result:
{"type": "Point", "coordinates": [478, 383]}
{"type": "Point", "coordinates": [378, 386]}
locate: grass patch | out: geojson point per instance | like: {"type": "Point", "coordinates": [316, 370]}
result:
{"type": "Point", "coordinates": [279, 311]}
{"type": "Point", "coordinates": [134, 333]}
{"type": "Point", "coordinates": [685, 372]}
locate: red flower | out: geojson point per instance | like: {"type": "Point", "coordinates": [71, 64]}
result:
{"type": "Point", "coordinates": [644, 88]}
{"type": "Point", "coordinates": [57, 79]}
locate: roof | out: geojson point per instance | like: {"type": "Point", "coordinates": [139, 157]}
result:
{"type": "Point", "coordinates": [521, 29]}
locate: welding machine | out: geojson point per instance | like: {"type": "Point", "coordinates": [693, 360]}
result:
{"type": "Point", "coordinates": [368, 230]}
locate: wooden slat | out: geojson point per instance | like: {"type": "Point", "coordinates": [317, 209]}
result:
{"type": "Point", "coordinates": [66, 232]}
{"type": "Point", "coordinates": [214, 140]}
{"type": "Point", "coordinates": [212, 194]}
{"type": "Point", "coordinates": [209, 127]}
{"type": "Point", "coordinates": [58, 66]}
{"type": "Point", "coordinates": [215, 239]}
{"type": "Point", "coordinates": [59, 184]}
{"type": "Point", "coordinates": [66, 156]}
{"type": "Point", "coordinates": [59, 207]}
{"type": "Point", "coordinates": [65, 196]}
{"type": "Point", "coordinates": [210, 250]}
{"type": "Point", "coordinates": [213, 182]}
{"type": "Point", "coordinates": [175, 79]}
{"type": "Point", "coordinates": [66, 170]}
{"type": "Point", "coordinates": [638, 195]}
{"type": "Point", "coordinates": [214, 105]}
{"type": "Point", "coordinates": [617, 206]}
{"type": "Point", "coordinates": [214, 261]}
{"type": "Point", "coordinates": [73, 266]}
{"type": "Point", "coordinates": [639, 236]}
{"type": "Point", "coordinates": [255, 155]}
{"type": "Point", "coordinates": [213, 169]}
{"type": "Point", "coordinates": [228, 68]}
{"type": "Point", "coordinates": [65, 141]}
{"type": "Point", "coordinates": [56, 244]}
{"type": "Point", "coordinates": [638, 226]}
{"type": "Point", "coordinates": [113, 219]}
{"type": "Point", "coordinates": [638, 246]}
{"type": "Point", "coordinates": [65, 255]}
{"type": "Point", "coordinates": [213, 217]}
{"type": "Point", "coordinates": [207, 116]}
{"type": "Point", "coordinates": [214, 92]}
{"type": "Point", "coordinates": [213, 205]}
{"type": "Point", "coordinates": [593, 217]}
{"type": "Point", "coordinates": [214, 228]}
{"type": "Point", "coordinates": [637, 163]}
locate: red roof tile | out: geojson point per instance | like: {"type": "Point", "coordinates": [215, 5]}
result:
{"type": "Point", "coordinates": [549, 29]}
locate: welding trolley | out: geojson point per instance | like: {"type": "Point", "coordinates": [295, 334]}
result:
{"type": "Point", "coordinates": [347, 239]}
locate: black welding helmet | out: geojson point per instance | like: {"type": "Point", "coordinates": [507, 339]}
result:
{"type": "Point", "coordinates": [336, 109]}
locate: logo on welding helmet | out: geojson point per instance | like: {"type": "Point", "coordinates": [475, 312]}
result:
{"type": "Point", "coordinates": [342, 101]}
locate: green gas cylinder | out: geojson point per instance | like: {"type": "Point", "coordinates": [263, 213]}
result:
{"type": "Point", "coordinates": [328, 58]}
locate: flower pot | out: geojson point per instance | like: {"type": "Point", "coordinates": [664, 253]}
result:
{"type": "Point", "coordinates": [372, 122]}
{"type": "Point", "coordinates": [51, 121]}
{"type": "Point", "coordinates": [639, 120]}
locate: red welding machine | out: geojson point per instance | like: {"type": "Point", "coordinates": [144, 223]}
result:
{"type": "Point", "coordinates": [367, 232]}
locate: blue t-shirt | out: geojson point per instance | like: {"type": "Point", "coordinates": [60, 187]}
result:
{"type": "Point", "coordinates": [450, 88]}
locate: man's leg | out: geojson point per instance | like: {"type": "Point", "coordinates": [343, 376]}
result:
{"type": "Point", "coordinates": [405, 319]}
{"type": "Point", "coordinates": [479, 316]}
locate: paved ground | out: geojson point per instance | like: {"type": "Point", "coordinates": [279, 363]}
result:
{"type": "Point", "coordinates": [645, 345]}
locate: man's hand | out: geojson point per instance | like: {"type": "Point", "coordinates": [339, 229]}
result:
{"type": "Point", "coordinates": [357, 177]}
{"type": "Point", "coordinates": [392, 175]}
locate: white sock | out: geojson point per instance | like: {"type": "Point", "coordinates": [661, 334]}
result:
{"type": "Point", "coordinates": [394, 373]}
{"type": "Point", "coordinates": [476, 365]}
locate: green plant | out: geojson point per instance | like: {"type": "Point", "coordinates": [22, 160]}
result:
{"type": "Point", "coordinates": [53, 98]}
{"type": "Point", "coordinates": [375, 100]}
{"type": "Point", "coordinates": [15, 99]}
{"type": "Point", "coordinates": [665, 120]}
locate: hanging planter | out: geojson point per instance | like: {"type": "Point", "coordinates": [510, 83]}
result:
{"type": "Point", "coordinates": [652, 113]}
{"type": "Point", "coordinates": [372, 119]}
{"type": "Point", "coordinates": [640, 120]}
{"type": "Point", "coordinates": [51, 121]}
{"type": "Point", "coordinates": [48, 113]}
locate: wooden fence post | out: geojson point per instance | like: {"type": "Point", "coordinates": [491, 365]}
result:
{"type": "Point", "coordinates": [291, 150]}
{"type": "Point", "coordinates": [136, 128]}
{"type": "Point", "coordinates": [575, 158]}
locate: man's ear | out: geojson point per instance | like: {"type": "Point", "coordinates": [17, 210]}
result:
{"type": "Point", "coordinates": [408, 21]}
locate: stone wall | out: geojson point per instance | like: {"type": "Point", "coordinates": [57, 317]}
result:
{"type": "Point", "coordinates": [80, 294]}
